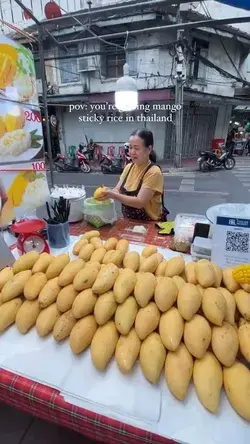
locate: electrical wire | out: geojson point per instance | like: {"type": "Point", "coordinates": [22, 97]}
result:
{"type": "Point", "coordinates": [144, 75]}
{"type": "Point", "coordinates": [19, 31]}
{"type": "Point", "coordinates": [212, 65]}
{"type": "Point", "coordinates": [205, 9]}
{"type": "Point", "coordinates": [77, 73]}
{"type": "Point", "coordinates": [89, 30]}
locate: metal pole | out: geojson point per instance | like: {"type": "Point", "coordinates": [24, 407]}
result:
{"type": "Point", "coordinates": [115, 9]}
{"type": "Point", "coordinates": [28, 11]}
{"type": "Point", "coordinates": [45, 102]}
{"type": "Point", "coordinates": [171, 27]}
{"type": "Point", "coordinates": [178, 101]}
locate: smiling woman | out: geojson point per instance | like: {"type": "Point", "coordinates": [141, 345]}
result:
{"type": "Point", "coordinates": [140, 188]}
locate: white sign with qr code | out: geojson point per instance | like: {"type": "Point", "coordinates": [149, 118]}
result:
{"type": "Point", "coordinates": [231, 242]}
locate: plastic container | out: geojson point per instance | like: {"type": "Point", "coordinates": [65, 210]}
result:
{"type": "Point", "coordinates": [202, 245]}
{"type": "Point", "coordinates": [99, 213]}
{"type": "Point", "coordinates": [184, 230]}
{"type": "Point", "coordinates": [58, 235]}
{"type": "Point", "coordinates": [76, 209]}
{"type": "Point", "coordinates": [196, 256]}
{"type": "Point", "coordinates": [76, 203]}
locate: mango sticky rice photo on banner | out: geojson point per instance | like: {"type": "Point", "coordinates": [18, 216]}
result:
{"type": "Point", "coordinates": [22, 191]}
{"type": "Point", "coordinates": [21, 137]}
{"type": "Point", "coordinates": [17, 73]}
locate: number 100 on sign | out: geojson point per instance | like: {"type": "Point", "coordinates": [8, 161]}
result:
{"type": "Point", "coordinates": [38, 166]}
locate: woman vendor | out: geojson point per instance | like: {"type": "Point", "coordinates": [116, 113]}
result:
{"type": "Point", "coordinates": [140, 188]}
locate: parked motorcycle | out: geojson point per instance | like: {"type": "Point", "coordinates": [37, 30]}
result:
{"type": "Point", "coordinates": [89, 151]}
{"type": "Point", "coordinates": [83, 162]}
{"type": "Point", "coordinates": [208, 161]}
{"type": "Point", "coordinates": [63, 164]}
{"type": "Point", "coordinates": [114, 167]}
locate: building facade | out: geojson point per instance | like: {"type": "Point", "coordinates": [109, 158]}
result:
{"type": "Point", "coordinates": [81, 80]}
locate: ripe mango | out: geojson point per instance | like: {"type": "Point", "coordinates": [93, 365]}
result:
{"type": "Point", "coordinates": [15, 119]}
{"type": "Point", "coordinates": [100, 192]}
{"type": "Point", "coordinates": [2, 126]}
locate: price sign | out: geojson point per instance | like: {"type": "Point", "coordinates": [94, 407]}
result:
{"type": "Point", "coordinates": [31, 116]}
{"type": "Point", "coordinates": [38, 166]}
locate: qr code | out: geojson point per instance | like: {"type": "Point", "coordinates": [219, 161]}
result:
{"type": "Point", "coordinates": [237, 242]}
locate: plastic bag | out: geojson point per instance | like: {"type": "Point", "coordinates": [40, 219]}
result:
{"type": "Point", "coordinates": [184, 230]}
{"type": "Point", "coordinates": [99, 213]}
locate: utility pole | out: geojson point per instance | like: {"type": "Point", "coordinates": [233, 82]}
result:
{"type": "Point", "coordinates": [180, 76]}
{"type": "Point", "coordinates": [45, 101]}
{"type": "Point", "coordinates": [41, 30]}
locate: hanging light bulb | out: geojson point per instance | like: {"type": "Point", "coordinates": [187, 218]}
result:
{"type": "Point", "coordinates": [126, 92]}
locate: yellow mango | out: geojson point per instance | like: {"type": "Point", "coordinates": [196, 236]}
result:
{"type": "Point", "coordinates": [237, 388]}
{"type": "Point", "coordinates": [15, 119]}
{"type": "Point", "coordinates": [8, 69]}
{"type": "Point", "coordinates": [2, 126]}
{"type": "Point", "coordinates": [17, 189]}
{"type": "Point", "coordinates": [100, 192]}
{"type": "Point", "coordinates": [178, 371]}
{"type": "Point", "coordinates": [208, 380]}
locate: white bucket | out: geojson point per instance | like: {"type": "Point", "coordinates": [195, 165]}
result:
{"type": "Point", "coordinates": [76, 208]}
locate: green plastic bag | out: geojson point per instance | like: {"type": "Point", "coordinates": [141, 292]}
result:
{"type": "Point", "coordinates": [99, 213]}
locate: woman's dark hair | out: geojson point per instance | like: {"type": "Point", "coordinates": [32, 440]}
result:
{"type": "Point", "coordinates": [148, 139]}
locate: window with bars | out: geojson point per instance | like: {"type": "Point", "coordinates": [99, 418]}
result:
{"type": "Point", "coordinates": [69, 67]}
{"type": "Point", "coordinates": [113, 59]}
{"type": "Point", "coordinates": [199, 70]}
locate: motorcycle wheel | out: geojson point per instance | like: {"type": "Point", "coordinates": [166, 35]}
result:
{"type": "Point", "coordinates": [104, 163]}
{"type": "Point", "coordinates": [105, 170]}
{"type": "Point", "coordinates": [203, 166]}
{"type": "Point", "coordinates": [85, 168]}
{"type": "Point", "coordinates": [229, 163]}
{"type": "Point", "coordinates": [59, 169]}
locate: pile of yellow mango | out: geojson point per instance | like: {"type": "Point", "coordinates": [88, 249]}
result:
{"type": "Point", "coordinates": [190, 320]}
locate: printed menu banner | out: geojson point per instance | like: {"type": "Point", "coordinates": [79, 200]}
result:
{"type": "Point", "coordinates": [17, 73]}
{"type": "Point", "coordinates": [23, 181]}
{"type": "Point", "coordinates": [21, 137]}
{"type": "Point", "coordinates": [21, 191]}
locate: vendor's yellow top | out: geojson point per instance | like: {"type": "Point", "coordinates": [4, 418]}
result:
{"type": "Point", "coordinates": [153, 179]}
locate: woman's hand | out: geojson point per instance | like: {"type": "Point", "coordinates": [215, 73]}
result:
{"type": "Point", "coordinates": [110, 194]}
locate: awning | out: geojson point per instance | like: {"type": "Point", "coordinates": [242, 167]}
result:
{"type": "Point", "coordinates": [242, 108]}
{"type": "Point", "coordinates": [242, 4]}
{"type": "Point", "coordinates": [153, 95]}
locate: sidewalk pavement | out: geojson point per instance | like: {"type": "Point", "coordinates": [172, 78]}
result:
{"type": "Point", "coordinates": [167, 166]}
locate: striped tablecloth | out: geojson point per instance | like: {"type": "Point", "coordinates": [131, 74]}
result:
{"type": "Point", "coordinates": [46, 403]}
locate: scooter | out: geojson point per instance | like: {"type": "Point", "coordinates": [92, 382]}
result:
{"type": "Point", "coordinates": [103, 159]}
{"type": "Point", "coordinates": [87, 151]}
{"type": "Point", "coordinates": [63, 164]}
{"type": "Point", "coordinates": [83, 162]}
{"type": "Point", "coordinates": [116, 165]}
{"type": "Point", "coordinates": [208, 161]}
